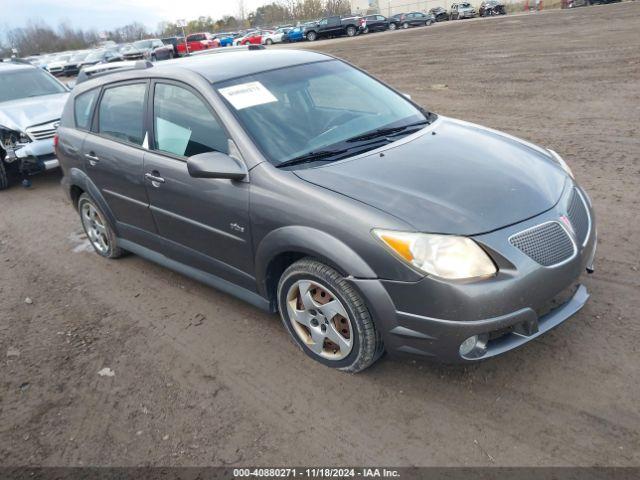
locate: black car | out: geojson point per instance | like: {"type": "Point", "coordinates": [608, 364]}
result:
{"type": "Point", "coordinates": [335, 26]}
{"type": "Point", "coordinates": [307, 187]}
{"type": "Point", "coordinates": [379, 23]}
{"type": "Point", "coordinates": [489, 8]}
{"type": "Point", "coordinates": [101, 56]}
{"type": "Point", "coordinates": [413, 19]}
{"type": "Point", "coordinates": [440, 14]}
{"type": "Point", "coordinates": [72, 67]}
{"type": "Point", "coordinates": [151, 49]}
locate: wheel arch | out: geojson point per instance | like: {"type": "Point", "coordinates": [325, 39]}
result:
{"type": "Point", "coordinates": [286, 245]}
{"type": "Point", "coordinates": [78, 183]}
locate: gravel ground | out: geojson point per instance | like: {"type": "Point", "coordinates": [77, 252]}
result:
{"type": "Point", "coordinates": [200, 378]}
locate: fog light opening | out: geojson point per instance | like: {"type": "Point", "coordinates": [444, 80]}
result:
{"type": "Point", "coordinates": [474, 346]}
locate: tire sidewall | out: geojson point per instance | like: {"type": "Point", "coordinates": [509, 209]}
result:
{"type": "Point", "coordinates": [112, 251]}
{"type": "Point", "coordinates": [287, 281]}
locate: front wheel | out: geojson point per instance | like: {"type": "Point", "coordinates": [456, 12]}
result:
{"type": "Point", "coordinates": [351, 31]}
{"type": "Point", "coordinates": [366, 30]}
{"type": "Point", "coordinates": [4, 178]}
{"type": "Point", "coordinates": [312, 36]}
{"type": "Point", "coordinates": [269, 41]}
{"type": "Point", "coordinates": [327, 317]}
{"type": "Point", "coordinates": [429, 23]}
{"type": "Point", "coordinates": [405, 25]}
{"type": "Point", "coordinates": [97, 228]}
{"type": "Point", "coordinates": [392, 26]}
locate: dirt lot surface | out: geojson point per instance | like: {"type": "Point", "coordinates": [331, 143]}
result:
{"type": "Point", "coordinates": [203, 379]}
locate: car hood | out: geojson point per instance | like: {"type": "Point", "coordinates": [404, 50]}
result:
{"type": "Point", "coordinates": [26, 112]}
{"type": "Point", "coordinates": [453, 177]}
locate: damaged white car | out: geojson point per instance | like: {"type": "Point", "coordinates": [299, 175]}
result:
{"type": "Point", "coordinates": [31, 102]}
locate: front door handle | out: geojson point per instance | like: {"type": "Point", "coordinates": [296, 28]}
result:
{"type": "Point", "coordinates": [156, 180]}
{"type": "Point", "coordinates": [93, 159]}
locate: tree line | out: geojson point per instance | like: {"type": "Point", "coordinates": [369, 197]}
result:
{"type": "Point", "coordinates": [37, 37]}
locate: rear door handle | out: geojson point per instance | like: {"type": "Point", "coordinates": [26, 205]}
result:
{"type": "Point", "coordinates": [156, 180]}
{"type": "Point", "coordinates": [93, 159]}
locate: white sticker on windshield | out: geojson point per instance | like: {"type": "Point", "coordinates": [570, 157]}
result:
{"type": "Point", "coordinates": [247, 95]}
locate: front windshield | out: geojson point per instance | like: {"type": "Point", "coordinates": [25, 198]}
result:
{"type": "Point", "coordinates": [294, 111]}
{"type": "Point", "coordinates": [31, 82]}
{"type": "Point", "coordinates": [142, 44]}
{"type": "Point", "coordinates": [78, 57]}
{"type": "Point", "coordinates": [95, 56]}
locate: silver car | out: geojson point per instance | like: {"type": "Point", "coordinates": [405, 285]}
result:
{"type": "Point", "coordinates": [462, 10]}
{"type": "Point", "coordinates": [31, 102]}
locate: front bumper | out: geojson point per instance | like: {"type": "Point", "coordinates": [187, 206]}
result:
{"type": "Point", "coordinates": [431, 318]}
{"type": "Point", "coordinates": [35, 157]}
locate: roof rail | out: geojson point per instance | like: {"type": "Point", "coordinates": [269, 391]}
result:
{"type": "Point", "coordinates": [104, 69]}
{"type": "Point", "coordinates": [21, 61]}
{"type": "Point", "coordinates": [236, 48]}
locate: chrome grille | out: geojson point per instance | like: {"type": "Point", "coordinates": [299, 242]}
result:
{"type": "Point", "coordinates": [44, 131]}
{"type": "Point", "coordinates": [579, 216]}
{"type": "Point", "coordinates": [549, 244]}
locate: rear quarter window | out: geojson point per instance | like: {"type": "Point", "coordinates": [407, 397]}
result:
{"type": "Point", "coordinates": [83, 108]}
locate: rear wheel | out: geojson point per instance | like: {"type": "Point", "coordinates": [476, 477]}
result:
{"type": "Point", "coordinates": [405, 25]}
{"type": "Point", "coordinates": [98, 230]}
{"type": "Point", "coordinates": [351, 31]}
{"type": "Point", "coordinates": [366, 30]}
{"type": "Point", "coordinates": [312, 36]}
{"type": "Point", "coordinates": [327, 317]}
{"type": "Point", "coordinates": [269, 41]}
{"type": "Point", "coordinates": [392, 26]}
{"type": "Point", "coordinates": [429, 23]}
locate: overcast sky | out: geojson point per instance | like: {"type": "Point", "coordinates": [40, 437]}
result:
{"type": "Point", "coordinates": [107, 14]}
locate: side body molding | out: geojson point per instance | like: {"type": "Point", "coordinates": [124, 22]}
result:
{"type": "Point", "coordinates": [308, 241]}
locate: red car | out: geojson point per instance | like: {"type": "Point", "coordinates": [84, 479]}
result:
{"type": "Point", "coordinates": [255, 38]}
{"type": "Point", "coordinates": [198, 41]}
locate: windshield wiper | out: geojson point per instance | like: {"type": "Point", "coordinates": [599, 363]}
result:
{"type": "Point", "coordinates": [311, 157]}
{"type": "Point", "coordinates": [383, 132]}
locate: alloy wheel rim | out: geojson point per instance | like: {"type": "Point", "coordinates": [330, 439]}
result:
{"type": "Point", "coordinates": [95, 227]}
{"type": "Point", "coordinates": [320, 320]}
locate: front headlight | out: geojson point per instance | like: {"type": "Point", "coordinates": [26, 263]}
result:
{"type": "Point", "coordinates": [11, 140]}
{"type": "Point", "coordinates": [561, 162]}
{"type": "Point", "coordinates": [445, 256]}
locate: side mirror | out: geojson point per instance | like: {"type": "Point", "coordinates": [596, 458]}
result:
{"type": "Point", "coordinates": [406, 95]}
{"type": "Point", "coordinates": [216, 165]}
{"type": "Point", "coordinates": [70, 84]}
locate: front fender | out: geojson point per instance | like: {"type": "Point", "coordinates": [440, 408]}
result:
{"type": "Point", "coordinates": [308, 241]}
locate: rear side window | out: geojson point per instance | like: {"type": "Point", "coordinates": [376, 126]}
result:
{"type": "Point", "coordinates": [83, 108]}
{"type": "Point", "coordinates": [183, 125]}
{"type": "Point", "coordinates": [121, 113]}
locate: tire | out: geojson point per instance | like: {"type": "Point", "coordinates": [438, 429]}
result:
{"type": "Point", "coordinates": [405, 25]}
{"type": "Point", "coordinates": [392, 26]}
{"type": "Point", "coordinates": [351, 31]}
{"type": "Point", "coordinates": [4, 178]}
{"type": "Point", "coordinates": [312, 36]}
{"type": "Point", "coordinates": [317, 281]}
{"type": "Point", "coordinates": [269, 41]}
{"type": "Point", "coordinates": [429, 22]}
{"type": "Point", "coordinates": [366, 30]}
{"type": "Point", "coordinates": [154, 58]}
{"type": "Point", "coordinates": [106, 246]}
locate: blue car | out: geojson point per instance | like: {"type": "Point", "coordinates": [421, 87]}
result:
{"type": "Point", "coordinates": [226, 39]}
{"type": "Point", "coordinates": [295, 35]}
